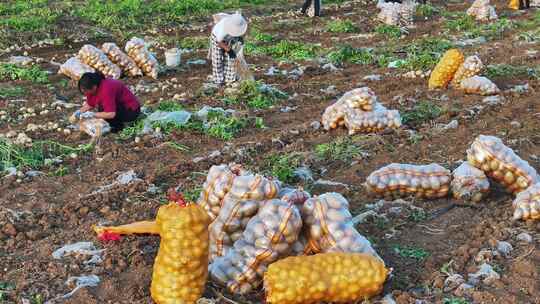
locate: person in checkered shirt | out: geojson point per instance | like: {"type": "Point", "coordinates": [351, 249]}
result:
{"type": "Point", "coordinates": [227, 32]}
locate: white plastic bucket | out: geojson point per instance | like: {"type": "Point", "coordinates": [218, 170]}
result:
{"type": "Point", "coordinates": [172, 57]}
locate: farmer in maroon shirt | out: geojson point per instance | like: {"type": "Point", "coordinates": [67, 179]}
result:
{"type": "Point", "coordinates": [111, 98]}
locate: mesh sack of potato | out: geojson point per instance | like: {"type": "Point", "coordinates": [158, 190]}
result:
{"type": "Point", "coordinates": [327, 221]}
{"type": "Point", "coordinates": [361, 98]}
{"type": "Point", "coordinates": [445, 69]}
{"type": "Point", "coordinates": [181, 265]}
{"type": "Point", "coordinates": [268, 237]}
{"type": "Point", "coordinates": [482, 10]}
{"type": "Point", "coordinates": [489, 154]}
{"type": "Point", "coordinates": [378, 119]}
{"type": "Point", "coordinates": [136, 49]}
{"type": "Point", "coordinates": [326, 277]}
{"type": "Point", "coordinates": [74, 68]}
{"type": "Point", "coordinates": [95, 58]}
{"type": "Point", "coordinates": [469, 183]}
{"type": "Point", "coordinates": [218, 183]}
{"type": "Point", "coordinates": [239, 205]}
{"type": "Point", "coordinates": [399, 180]}
{"type": "Point", "coordinates": [334, 115]}
{"type": "Point", "coordinates": [471, 67]}
{"type": "Point", "coordinates": [293, 196]}
{"type": "Point", "coordinates": [479, 85]}
{"type": "Point", "coordinates": [397, 14]}
{"type": "Point", "coordinates": [121, 59]}
{"type": "Point", "coordinates": [527, 204]}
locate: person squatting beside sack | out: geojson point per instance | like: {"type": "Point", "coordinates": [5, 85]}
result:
{"type": "Point", "coordinates": [226, 40]}
{"type": "Point", "coordinates": [112, 99]}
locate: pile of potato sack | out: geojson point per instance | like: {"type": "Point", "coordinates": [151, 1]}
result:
{"type": "Point", "coordinates": [112, 62]}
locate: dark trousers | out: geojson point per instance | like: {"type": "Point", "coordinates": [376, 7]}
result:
{"type": "Point", "coordinates": [307, 3]}
{"type": "Point", "coordinates": [523, 4]}
{"type": "Point", "coordinates": [122, 116]}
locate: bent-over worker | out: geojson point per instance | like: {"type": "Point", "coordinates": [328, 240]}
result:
{"type": "Point", "coordinates": [228, 31]}
{"type": "Point", "coordinates": [112, 100]}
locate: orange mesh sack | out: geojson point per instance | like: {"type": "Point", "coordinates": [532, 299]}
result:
{"type": "Point", "coordinates": [74, 68]}
{"type": "Point", "coordinates": [136, 49]}
{"type": "Point", "coordinates": [181, 266]}
{"type": "Point", "coordinates": [121, 59]}
{"type": "Point", "coordinates": [469, 183]}
{"type": "Point", "coordinates": [326, 277]}
{"type": "Point", "coordinates": [327, 221]}
{"type": "Point", "coordinates": [446, 68]}
{"type": "Point", "coordinates": [218, 183]}
{"type": "Point", "coordinates": [527, 204]}
{"type": "Point", "coordinates": [95, 58]}
{"type": "Point", "coordinates": [399, 180]}
{"type": "Point", "coordinates": [489, 154]}
{"type": "Point", "coordinates": [267, 238]}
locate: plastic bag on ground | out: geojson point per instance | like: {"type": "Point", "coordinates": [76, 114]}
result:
{"type": "Point", "coordinates": [163, 117]}
{"type": "Point", "coordinates": [489, 154]}
{"type": "Point", "coordinates": [469, 183]}
{"type": "Point", "coordinates": [95, 58]}
{"type": "Point", "coordinates": [121, 59]}
{"type": "Point", "coordinates": [136, 49]}
{"type": "Point", "coordinates": [74, 68]}
{"type": "Point", "coordinates": [329, 225]}
{"type": "Point", "coordinates": [267, 238]}
{"type": "Point", "coordinates": [95, 127]}
{"type": "Point", "coordinates": [398, 180]}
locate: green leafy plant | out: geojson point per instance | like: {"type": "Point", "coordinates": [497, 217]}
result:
{"type": "Point", "coordinates": [389, 31]}
{"type": "Point", "coordinates": [177, 146]}
{"type": "Point", "coordinates": [194, 43]}
{"type": "Point", "coordinates": [259, 36]}
{"type": "Point", "coordinates": [418, 215]}
{"type": "Point", "coordinates": [341, 26]}
{"type": "Point", "coordinates": [427, 10]}
{"type": "Point", "coordinates": [61, 171]}
{"type": "Point", "coordinates": [27, 15]}
{"type": "Point", "coordinates": [12, 92]}
{"type": "Point", "coordinates": [350, 54]}
{"type": "Point", "coordinates": [192, 194]}
{"type": "Point", "coordinates": [507, 70]}
{"type": "Point", "coordinates": [36, 156]}
{"type": "Point", "coordinates": [455, 301]}
{"type": "Point", "coordinates": [342, 149]}
{"type": "Point", "coordinates": [425, 53]}
{"type": "Point", "coordinates": [259, 123]}
{"type": "Point", "coordinates": [284, 50]}
{"type": "Point", "coordinates": [460, 22]}
{"type": "Point", "coordinates": [422, 112]}
{"type": "Point", "coordinates": [411, 252]}
{"type": "Point", "coordinates": [13, 72]}
{"type": "Point", "coordinates": [170, 106]}
{"type": "Point", "coordinates": [282, 166]}
{"type": "Point", "coordinates": [256, 95]}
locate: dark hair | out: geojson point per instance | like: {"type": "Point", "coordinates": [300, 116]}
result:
{"type": "Point", "coordinates": [89, 80]}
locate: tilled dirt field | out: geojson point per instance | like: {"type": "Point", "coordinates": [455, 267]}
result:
{"type": "Point", "coordinates": [41, 214]}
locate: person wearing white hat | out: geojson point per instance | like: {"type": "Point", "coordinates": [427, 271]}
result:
{"type": "Point", "coordinates": [230, 29]}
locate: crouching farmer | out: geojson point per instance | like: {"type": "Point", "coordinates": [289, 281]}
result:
{"type": "Point", "coordinates": [110, 99]}
{"type": "Point", "coordinates": [227, 33]}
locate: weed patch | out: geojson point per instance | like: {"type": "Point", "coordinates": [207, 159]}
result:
{"type": "Point", "coordinates": [341, 26]}
{"type": "Point", "coordinates": [284, 50]}
{"type": "Point", "coordinates": [455, 301]}
{"type": "Point", "coordinates": [422, 112]}
{"type": "Point", "coordinates": [349, 54]}
{"type": "Point", "coordinates": [427, 11]}
{"type": "Point", "coordinates": [507, 70]}
{"type": "Point", "coordinates": [195, 43]}
{"type": "Point", "coordinates": [389, 31]}
{"type": "Point", "coordinates": [256, 95]}
{"type": "Point", "coordinates": [282, 166]}
{"type": "Point", "coordinates": [342, 149]}
{"type": "Point", "coordinates": [10, 92]}
{"type": "Point", "coordinates": [411, 252]}
{"type": "Point", "coordinates": [14, 72]}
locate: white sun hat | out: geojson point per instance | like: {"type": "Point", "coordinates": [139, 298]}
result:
{"type": "Point", "coordinates": [235, 25]}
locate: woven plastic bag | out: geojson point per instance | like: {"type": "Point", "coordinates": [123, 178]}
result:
{"type": "Point", "coordinates": [469, 183]}
{"type": "Point", "coordinates": [95, 58]}
{"type": "Point", "coordinates": [267, 238]}
{"type": "Point", "coordinates": [136, 49]}
{"type": "Point", "coordinates": [74, 68]}
{"type": "Point", "coordinates": [121, 59]}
